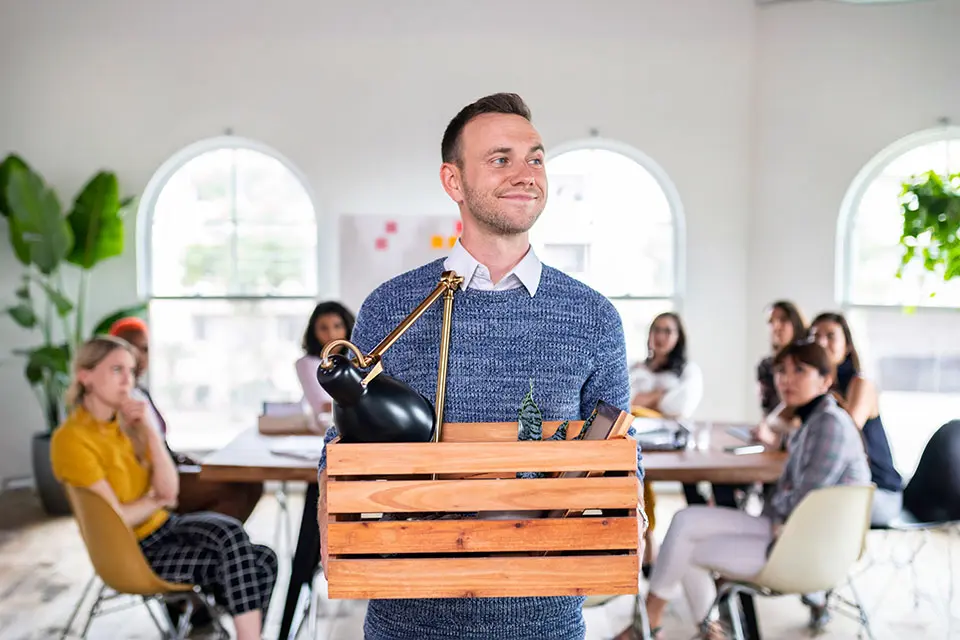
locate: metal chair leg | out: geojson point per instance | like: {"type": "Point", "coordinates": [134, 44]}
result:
{"type": "Point", "coordinates": [734, 610]}
{"type": "Point", "coordinates": [76, 609]}
{"type": "Point", "coordinates": [167, 629]}
{"type": "Point", "coordinates": [641, 623]}
{"type": "Point", "coordinates": [93, 610]}
{"type": "Point", "coordinates": [864, 618]}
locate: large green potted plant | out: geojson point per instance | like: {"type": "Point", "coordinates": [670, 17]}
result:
{"type": "Point", "coordinates": [931, 223]}
{"type": "Point", "coordinates": [47, 242]}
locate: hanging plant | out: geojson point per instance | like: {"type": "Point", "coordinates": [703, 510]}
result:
{"type": "Point", "coordinates": [930, 204]}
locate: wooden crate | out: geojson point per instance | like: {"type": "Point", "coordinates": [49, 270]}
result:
{"type": "Point", "coordinates": [474, 469]}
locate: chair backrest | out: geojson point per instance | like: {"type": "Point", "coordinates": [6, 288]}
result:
{"type": "Point", "coordinates": [823, 537]}
{"type": "Point", "coordinates": [113, 548]}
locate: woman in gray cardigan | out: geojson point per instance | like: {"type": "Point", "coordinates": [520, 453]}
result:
{"type": "Point", "coordinates": [826, 450]}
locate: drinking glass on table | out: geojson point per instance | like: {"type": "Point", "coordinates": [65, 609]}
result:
{"type": "Point", "coordinates": [702, 435]}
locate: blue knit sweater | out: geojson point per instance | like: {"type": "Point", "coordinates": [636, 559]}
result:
{"type": "Point", "coordinates": [568, 339]}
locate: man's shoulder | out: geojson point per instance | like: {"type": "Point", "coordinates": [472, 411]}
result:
{"type": "Point", "coordinates": [413, 284]}
{"type": "Point", "coordinates": [563, 287]}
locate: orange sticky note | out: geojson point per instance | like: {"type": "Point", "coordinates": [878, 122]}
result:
{"type": "Point", "coordinates": [452, 241]}
{"type": "Point", "coordinates": [436, 242]}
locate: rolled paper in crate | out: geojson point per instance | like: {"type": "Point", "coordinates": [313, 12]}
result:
{"type": "Point", "coordinates": [393, 531]}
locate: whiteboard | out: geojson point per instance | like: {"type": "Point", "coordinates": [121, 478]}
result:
{"type": "Point", "coordinates": [375, 248]}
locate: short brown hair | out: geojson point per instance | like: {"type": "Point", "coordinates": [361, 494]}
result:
{"type": "Point", "coordinates": [809, 353]}
{"type": "Point", "coordinates": [506, 103]}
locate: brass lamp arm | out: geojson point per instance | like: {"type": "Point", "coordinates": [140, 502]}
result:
{"type": "Point", "coordinates": [449, 283]}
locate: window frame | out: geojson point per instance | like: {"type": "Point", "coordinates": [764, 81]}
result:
{"type": "Point", "coordinates": [670, 191]}
{"type": "Point", "coordinates": [159, 180]}
{"type": "Point", "coordinates": [849, 206]}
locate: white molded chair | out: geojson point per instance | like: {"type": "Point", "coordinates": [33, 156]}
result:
{"type": "Point", "coordinates": [819, 544]}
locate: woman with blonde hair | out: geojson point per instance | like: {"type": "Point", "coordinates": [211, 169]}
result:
{"type": "Point", "coordinates": [106, 446]}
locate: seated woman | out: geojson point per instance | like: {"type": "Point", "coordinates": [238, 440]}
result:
{"type": "Point", "coordinates": [105, 445]}
{"type": "Point", "coordinates": [859, 397]}
{"type": "Point", "coordinates": [329, 321]}
{"type": "Point", "coordinates": [786, 324]}
{"type": "Point", "coordinates": [825, 451]}
{"type": "Point", "coordinates": [669, 385]}
{"type": "Point", "coordinates": [236, 499]}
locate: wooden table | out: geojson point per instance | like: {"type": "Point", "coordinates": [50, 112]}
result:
{"type": "Point", "coordinates": [715, 465]}
{"type": "Point", "coordinates": [248, 459]}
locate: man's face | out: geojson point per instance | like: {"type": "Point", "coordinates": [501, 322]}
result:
{"type": "Point", "coordinates": [500, 181]}
{"type": "Point", "coordinates": [142, 347]}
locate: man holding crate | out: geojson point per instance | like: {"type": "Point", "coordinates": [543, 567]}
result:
{"type": "Point", "coordinates": [515, 320]}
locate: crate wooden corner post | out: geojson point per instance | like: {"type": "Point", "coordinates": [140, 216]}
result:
{"type": "Point", "coordinates": [401, 521]}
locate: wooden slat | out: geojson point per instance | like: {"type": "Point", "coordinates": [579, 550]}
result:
{"type": "Point", "coordinates": [482, 536]}
{"type": "Point", "coordinates": [482, 577]}
{"type": "Point", "coordinates": [480, 457]}
{"type": "Point", "coordinates": [481, 495]}
{"type": "Point", "coordinates": [499, 431]}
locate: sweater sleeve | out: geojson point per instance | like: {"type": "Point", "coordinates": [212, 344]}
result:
{"type": "Point", "coordinates": [683, 400]}
{"type": "Point", "coordinates": [610, 381]}
{"type": "Point", "coordinates": [821, 465]}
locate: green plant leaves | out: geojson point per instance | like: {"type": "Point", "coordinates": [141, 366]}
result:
{"type": "Point", "coordinates": [53, 360]}
{"type": "Point", "coordinates": [930, 205]}
{"type": "Point", "coordinates": [138, 310]}
{"type": "Point", "coordinates": [20, 248]}
{"type": "Point", "coordinates": [96, 222]}
{"type": "Point", "coordinates": [23, 315]}
{"type": "Point", "coordinates": [37, 218]}
{"type": "Point", "coordinates": [530, 420]}
{"type": "Point", "coordinates": [59, 300]}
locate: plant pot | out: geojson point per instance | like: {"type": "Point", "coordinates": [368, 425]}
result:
{"type": "Point", "coordinates": [51, 493]}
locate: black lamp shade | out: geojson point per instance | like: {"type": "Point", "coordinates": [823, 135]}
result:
{"type": "Point", "coordinates": [386, 410]}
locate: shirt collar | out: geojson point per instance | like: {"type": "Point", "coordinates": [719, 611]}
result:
{"type": "Point", "coordinates": [528, 270]}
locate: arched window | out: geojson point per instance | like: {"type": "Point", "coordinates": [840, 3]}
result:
{"type": "Point", "coordinates": [228, 260]}
{"type": "Point", "coordinates": [614, 221]}
{"type": "Point", "coordinates": [871, 225]}
{"type": "Point", "coordinates": [908, 339]}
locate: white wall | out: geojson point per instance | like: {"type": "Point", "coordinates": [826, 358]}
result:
{"type": "Point", "coordinates": [837, 84]}
{"type": "Point", "coordinates": [358, 95]}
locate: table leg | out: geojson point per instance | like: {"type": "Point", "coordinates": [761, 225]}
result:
{"type": "Point", "coordinates": [306, 558]}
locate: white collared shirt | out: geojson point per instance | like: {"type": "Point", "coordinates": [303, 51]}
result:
{"type": "Point", "coordinates": [477, 276]}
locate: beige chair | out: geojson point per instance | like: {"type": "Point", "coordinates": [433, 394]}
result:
{"type": "Point", "coordinates": [121, 566]}
{"type": "Point", "coordinates": [820, 542]}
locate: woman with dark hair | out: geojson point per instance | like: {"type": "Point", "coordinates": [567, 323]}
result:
{"type": "Point", "coordinates": [665, 384]}
{"type": "Point", "coordinates": [329, 321]}
{"type": "Point", "coordinates": [825, 451]}
{"type": "Point", "coordinates": [786, 324]}
{"type": "Point", "coordinates": [859, 397]}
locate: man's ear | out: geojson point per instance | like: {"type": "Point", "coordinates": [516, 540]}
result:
{"type": "Point", "coordinates": [452, 181]}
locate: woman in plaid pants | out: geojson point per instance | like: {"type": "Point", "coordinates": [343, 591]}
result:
{"type": "Point", "coordinates": [106, 446]}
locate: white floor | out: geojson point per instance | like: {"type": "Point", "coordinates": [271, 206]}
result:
{"type": "Point", "coordinates": [43, 569]}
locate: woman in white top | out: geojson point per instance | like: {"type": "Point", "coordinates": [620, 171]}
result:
{"type": "Point", "coordinates": [329, 321]}
{"type": "Point", "coordinates": [668, 384]}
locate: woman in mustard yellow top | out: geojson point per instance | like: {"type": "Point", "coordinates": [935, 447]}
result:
{"type": "Point", "coordinates": [105, 445]}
